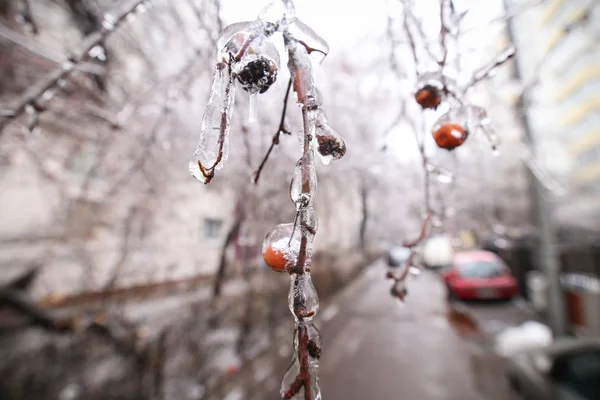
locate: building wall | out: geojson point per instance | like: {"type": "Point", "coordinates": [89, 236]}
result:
{"type": "Point", "coordinates": [558, 47]}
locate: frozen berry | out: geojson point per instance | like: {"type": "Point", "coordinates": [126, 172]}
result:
{"type": "Point", "coordinates": [449, 135]}
{"type": "Point", "coordinates": [428, 97]}
{"type": "Point", "coordinates": [275, 259]}
{"type": "Point", "coordinates": [331, 146]}
{"type": "Point", "coordinates": [257, 75]}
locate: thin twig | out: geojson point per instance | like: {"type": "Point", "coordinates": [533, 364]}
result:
{"type": "Point", "coordinates": [485, 71]}
{"type": "Point", "coordinates": [139, 162]}
{"type": "Point", "coordinates": [275, 140]}
{"type": "Point", "coordinates": [411, 40]}
{"type": "Point", "coordinates": [443, 33]}
{"type": "Point", "coordinates": [423, 234]}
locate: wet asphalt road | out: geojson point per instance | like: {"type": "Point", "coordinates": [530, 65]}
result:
{"type": "Point", "coordinates": [376, 349]}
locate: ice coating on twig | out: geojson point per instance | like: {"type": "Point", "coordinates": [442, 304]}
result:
{"type": "Point", "coordinates": [213, 147]}
{"type": "Point", "coordinates": [303, 83]}
{"type": "Point", "coordinates": [308, 38]}
{"type": "Point", "coordinates": [236, 38]}
{"type": "Point", "coordinates": [304, 181]}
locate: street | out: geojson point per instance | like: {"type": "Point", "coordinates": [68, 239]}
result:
{"type": "Point", "coordinates": [375, 348]}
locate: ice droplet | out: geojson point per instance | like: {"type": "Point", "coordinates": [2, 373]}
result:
{"type": "Point", "coordinates": [253, 109]}
{"type": "Point", "coordinates": [329, 144]}
{"type": "Point", "coordinates": [279, 251]}
{"type": "Point", "coordinates": [213, 147]}
{"type": "Point", "coordinates": [304, 181]}
{"type": "Point", "coordinates": [303, 300]}
{"type": "Point", "coordinates": [444, 176]}
{"type": "Point", "coordinates": [108, 22]}
{"type": "Point", "coordinates": [97, 52]}
{"type": "Point", "coordinates": [68, 66]}
{"type": "Point", "coordinates": [415, 271]}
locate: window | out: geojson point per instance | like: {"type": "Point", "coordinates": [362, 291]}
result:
{"type": "Point", "coordinates": [581, 373]}
{"type": "Point", "coordinates": [212, 228]}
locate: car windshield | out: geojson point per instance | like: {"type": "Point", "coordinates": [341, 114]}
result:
{"type": "Point", "coordinates": [479, 269]}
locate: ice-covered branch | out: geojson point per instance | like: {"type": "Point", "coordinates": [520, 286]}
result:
{"type": "Point", "coordinates": [247, 55]}
{"type": "Point", "coordinates": [485, 71]}
{"type": "Point", "coordinates": [34, 93]}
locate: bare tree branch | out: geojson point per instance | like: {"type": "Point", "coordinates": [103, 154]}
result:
{"type": "Point", "coordinates": [37, 90]}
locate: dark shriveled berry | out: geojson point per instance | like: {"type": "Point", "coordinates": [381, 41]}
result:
{"type": "Point", "coordinates": [331, 146]}
{"type": "Point", "coordinates": [257, 75]}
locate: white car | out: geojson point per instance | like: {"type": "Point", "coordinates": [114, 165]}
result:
{"type": "Point", "coordinates": [438, 251]}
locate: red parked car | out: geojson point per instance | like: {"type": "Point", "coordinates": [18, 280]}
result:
{"type": "Point", "coordinates": [479, 275]}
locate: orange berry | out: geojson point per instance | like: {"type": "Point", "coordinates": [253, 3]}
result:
{"type": "Point", "coordinates": [275, 259]}
{"type": "Point", "coordinates": [449, 135]}
{"type": "Point", "coordinates": [428, 97]}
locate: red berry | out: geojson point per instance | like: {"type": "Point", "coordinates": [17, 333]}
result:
{"type": "Point", "coordinates": [449, 135]}
{"type": "Point", "coordinates": [428, 97]}
{"type": "Point", "coordinates": [275, 259]}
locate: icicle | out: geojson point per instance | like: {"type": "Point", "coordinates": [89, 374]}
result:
{"type": "Point", "coordinates": [304, 181]}
{"type": "Point", "coordinates": [329, 144]}
{"type": "Point", "coordinates": [253, 109]}
{"type": "Point", "coordinates": [213, 147]}
{"type": "Point", "coordinates": [492, 137]}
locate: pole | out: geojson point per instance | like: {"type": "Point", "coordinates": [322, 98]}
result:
{"type": "Point", "coordinates": [547, 256]}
